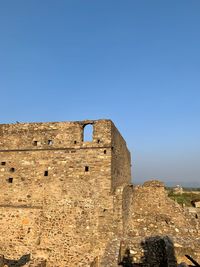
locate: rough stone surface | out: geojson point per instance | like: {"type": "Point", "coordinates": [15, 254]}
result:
{"type": "Point", "coordinates": [154, 217]}
{"type": "Point", "coordinates": [57, 191]}
{"type": "Point", "coordinates": [66, 202]}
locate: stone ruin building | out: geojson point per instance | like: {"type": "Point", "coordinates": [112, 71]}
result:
{"type": "Point", "coordinates": [68, 202]}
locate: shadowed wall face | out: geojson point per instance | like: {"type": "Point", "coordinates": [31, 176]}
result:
{"type": "Point", "coordinates": [158, 251]}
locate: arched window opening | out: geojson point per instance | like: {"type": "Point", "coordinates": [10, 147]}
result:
{"type": "Point", "coordinates": [88, 133]}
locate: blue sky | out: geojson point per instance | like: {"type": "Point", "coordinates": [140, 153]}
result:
{"type": "Point", "coordinates": [135, 62]}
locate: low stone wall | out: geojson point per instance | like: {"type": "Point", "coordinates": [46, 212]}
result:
{"type": "Point", "coordinates": [156, 217]}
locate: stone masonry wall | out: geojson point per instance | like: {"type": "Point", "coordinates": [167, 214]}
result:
{"type": "Point", "coordinates": [65, 201]}
{"type": "Point", "coordinates": [154, 216]}
{"type": "Point", "coordinates": [56, 198]}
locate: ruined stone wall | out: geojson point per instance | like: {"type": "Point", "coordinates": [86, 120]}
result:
{"type": "Point", "coordinates": [55, 191]}
{"type": "Point", "coordinates": [65, 202]}
{"type": "Point", "coordinates": [151, 207]}
{"type": "Point", "coordinates": [154, 215]}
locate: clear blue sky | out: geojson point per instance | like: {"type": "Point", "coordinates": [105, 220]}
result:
{"type": "Point", "coordinates": [135, 62]}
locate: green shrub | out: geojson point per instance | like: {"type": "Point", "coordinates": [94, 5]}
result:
{"type": "Point", "coordinates": [184, 198]}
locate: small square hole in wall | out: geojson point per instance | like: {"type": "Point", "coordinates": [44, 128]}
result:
{"type": "Point", "coordinates": [35, 143]}
{"type": "Point", "coordinates": [104, 151]}
{"type": "Point", "coordinates": [86, 168]}
{"type": "Point", "coordinates": [75, 142]}
{"type": "Point", "coordinates": [12, 169]}
{"type": "Point", "coordinates": [98, 141]}
{"type": "Point", "coordinates": [3, 163]}
{"type": "Point", "coordinates": [50, 142]}
{"type": "Point", "coordinates": [46, 173]}
{"type": "Point", "coordinates": [10, 180]}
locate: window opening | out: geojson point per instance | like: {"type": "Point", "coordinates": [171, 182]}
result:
{"type": "Point", "coordinates": [12, 169]}
{"type": "Point", "coordinates": [3, 163]}
{"type": "Point", "coordinates": [75, 142]}
{"type": "Point", "coordinates": [50, 142]}
{"type": "Point", "coordinates": [98, 141]}
{"type": "Point", "coordinates": [46, 173]}
{"type": "Point", "coordinates": [86, 168]}
{"type": "Point", "coordinates": [10, 180]}
{"type": "Point", "coordinates": [35, 143]}
{"type": "Point", "coordinates": [88, 133]}
{"type": "Point", "coordinates": [104, 151]}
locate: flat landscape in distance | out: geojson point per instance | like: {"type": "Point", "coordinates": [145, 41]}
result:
{"type": "Point", "coordinates": [186, 196]}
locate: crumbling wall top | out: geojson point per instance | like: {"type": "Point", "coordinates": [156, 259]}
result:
{"type": "Point", "coordinates": [153, 183]}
